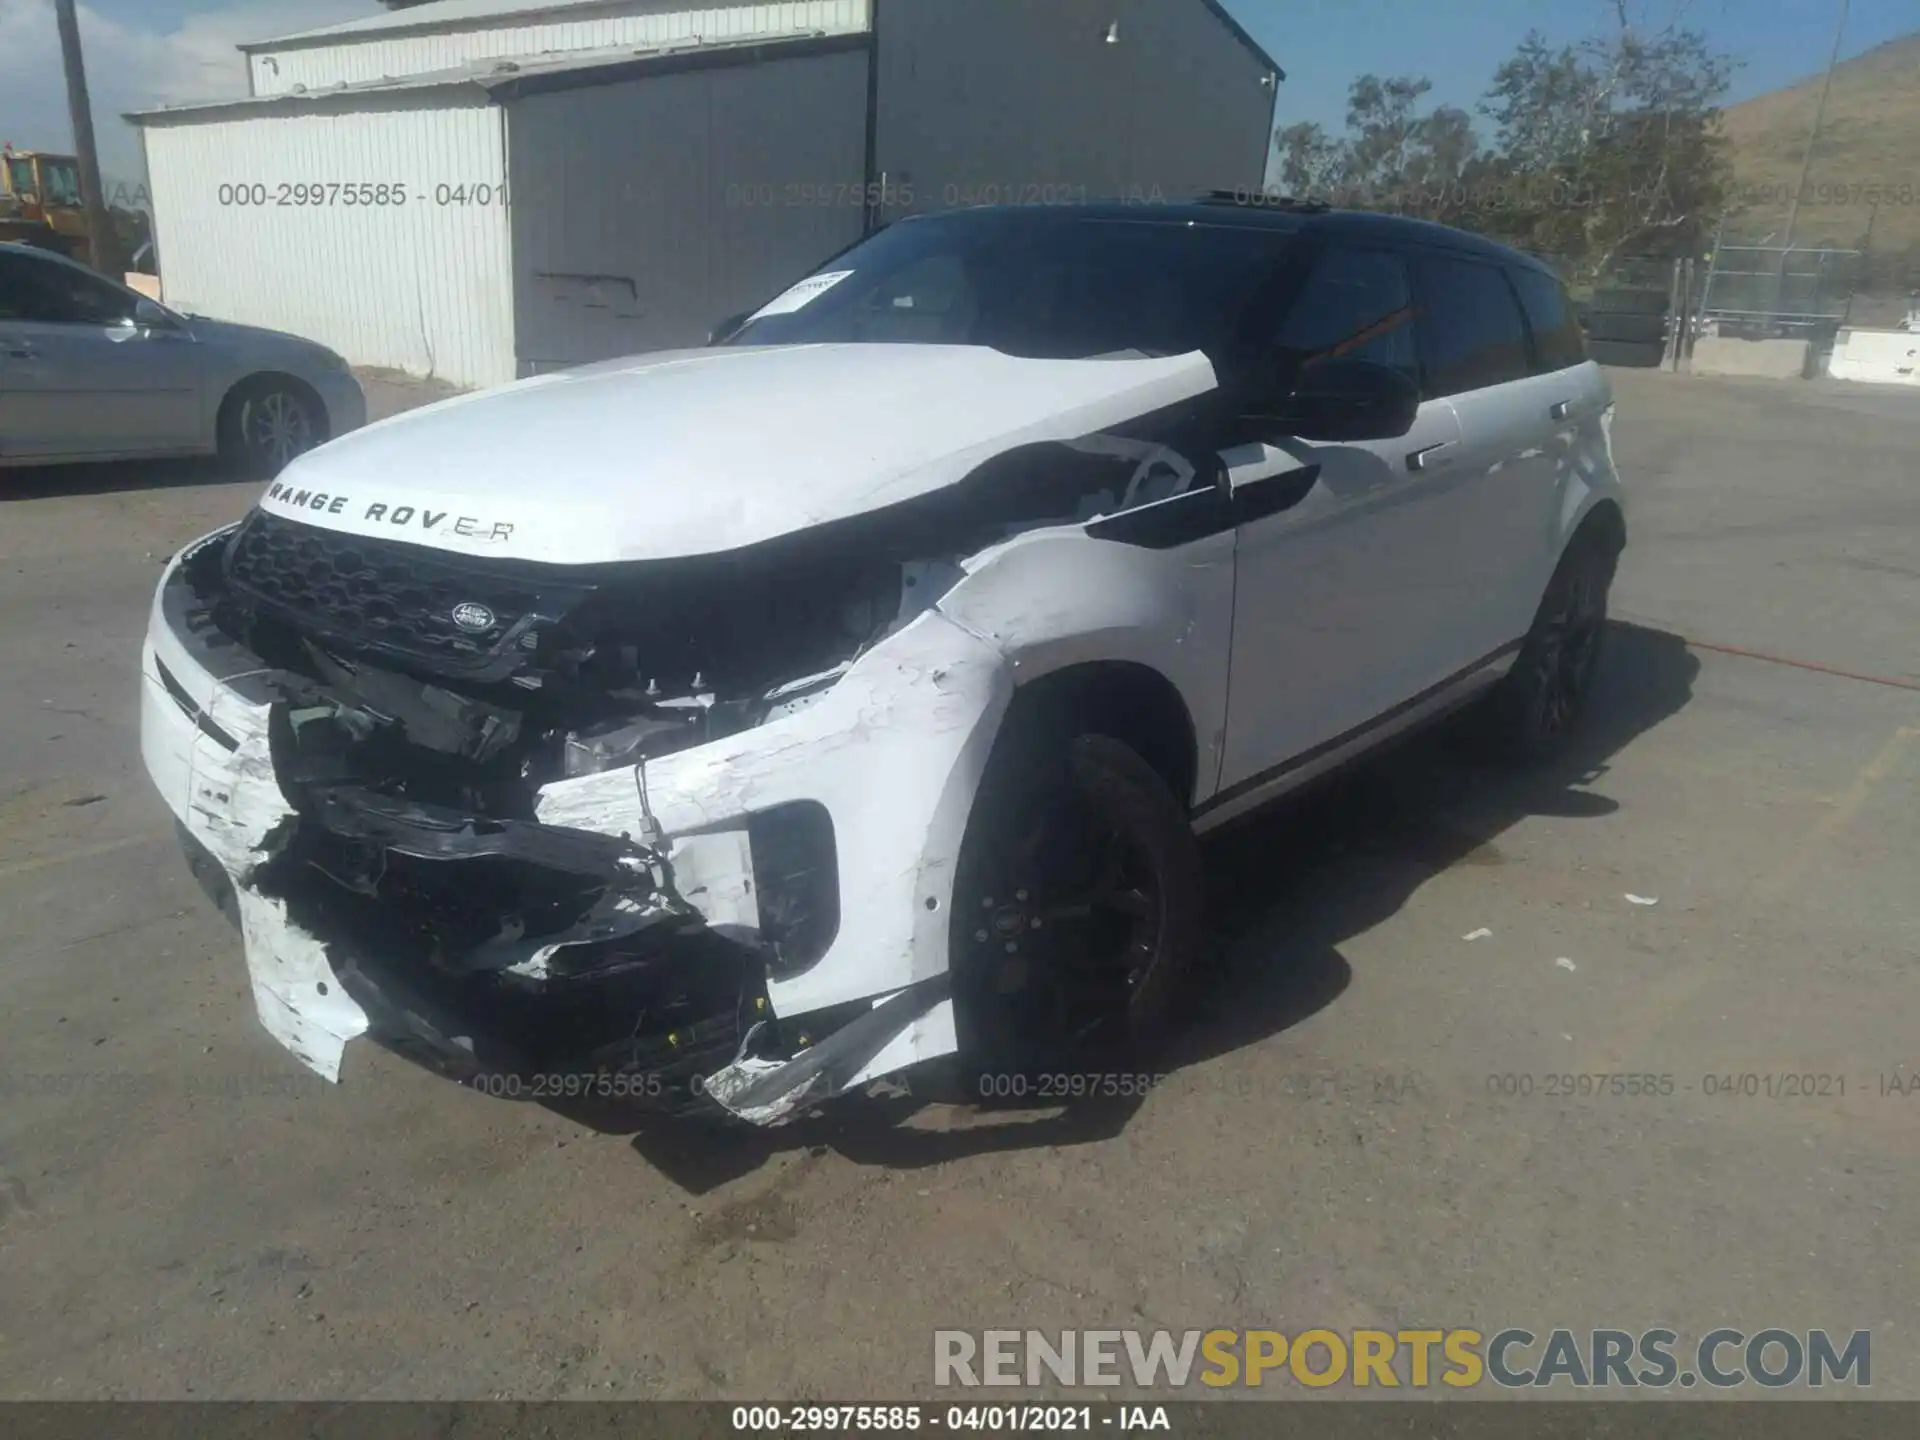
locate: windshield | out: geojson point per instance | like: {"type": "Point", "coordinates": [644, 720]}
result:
{"type": "Point", "coordinates": [1045, 287]}
{"type": "Point", "coordinates": [62, 179]}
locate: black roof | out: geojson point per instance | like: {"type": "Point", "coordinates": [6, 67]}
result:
{"type": "Point", "coordinates": [1260, 212]}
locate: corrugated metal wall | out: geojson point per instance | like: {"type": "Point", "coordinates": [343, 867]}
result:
{"type": "Point", "coordinates": [1210, 124]}
{"type": "Point", "coordinates": [276, 72]}
{"type": "Point", "coordinates": [423, 287]}
{"type": "Point", "coordinates": [646, 211]}
{"type": "Point", "coordinates": [990, 101]}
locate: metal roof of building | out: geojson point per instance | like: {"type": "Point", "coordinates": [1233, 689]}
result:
{"type": "Point", "coordinates": [492, 80]}
{"type": "Point", "coordinates": [443, 15]}
{"type": "Point", "coordinates": [438, 15]}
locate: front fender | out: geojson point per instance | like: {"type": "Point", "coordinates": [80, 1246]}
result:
{"type": "Point", "coordinates": [1054, 598]}
{"type": "Point", "coordinates": [894, 753]}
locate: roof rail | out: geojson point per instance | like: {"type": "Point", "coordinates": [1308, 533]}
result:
{"type": "Point", "coordinates": [1263, 200]}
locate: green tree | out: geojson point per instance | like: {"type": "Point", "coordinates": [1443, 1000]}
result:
{"type": "Point", "coordinates": [1394, 156]}
{"type": "Point", "coordinates": [1601, 148]}
{"type": "Point", "coordinates": [1611, 145]}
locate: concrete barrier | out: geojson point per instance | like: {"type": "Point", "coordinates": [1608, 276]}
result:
{"type": "Point", "coordinates": [1768, 359]}
{"type": "Point", "coordinates": [1879, 357]}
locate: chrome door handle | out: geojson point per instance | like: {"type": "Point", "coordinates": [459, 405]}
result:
{"type": "Point", "coordinates": [23, 352]}
{"type": "Point", "coordinates": [1431, 458]}
{"type": "Point", "coordinates": [1560, 409]}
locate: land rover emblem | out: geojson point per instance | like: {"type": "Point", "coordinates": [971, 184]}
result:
{"type": "Point", "coordinates": [473, 618]}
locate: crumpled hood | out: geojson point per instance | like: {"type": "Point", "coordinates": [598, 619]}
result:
{"type": "Point", "coordinates": [702, 451]}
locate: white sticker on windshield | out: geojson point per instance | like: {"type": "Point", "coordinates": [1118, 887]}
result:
{"type": "Point", "coordinates": [801, 295]}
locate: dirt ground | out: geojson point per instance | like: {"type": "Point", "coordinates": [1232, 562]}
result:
{"type": "Point", "coordinates": [185, 1212]}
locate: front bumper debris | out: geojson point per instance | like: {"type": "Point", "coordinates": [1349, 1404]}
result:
{"type": "Point", "coordinates": [604, 945]}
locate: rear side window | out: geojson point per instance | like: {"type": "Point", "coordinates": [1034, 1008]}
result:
{"type": "Point", "coordinates": [1356, 305]}
{"type": "Point", "coordinates": [1556, 330]}
{"type": "Point", "coordinates": [50, 293]}
{"type": "Point", "coordinates": [1471, 334]}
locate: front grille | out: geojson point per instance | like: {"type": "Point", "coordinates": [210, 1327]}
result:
{"type": "Point", "coordinates": [379, 594]}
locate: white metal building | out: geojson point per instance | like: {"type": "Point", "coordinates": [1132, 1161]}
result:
{"type": "Point", "coordinates": [481, 189]}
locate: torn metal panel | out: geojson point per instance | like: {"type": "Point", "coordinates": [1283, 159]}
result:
{"type": "Point", "coordinates": [235, 809]}
{"type": "Point", "coordinates": [713, 872]}
{"type": "Point", "coordinates": [296, 991]}
{"type": "Point", "coordinates": [772, 1093]}
{"type": "Point", "coordinates": [912, 721]}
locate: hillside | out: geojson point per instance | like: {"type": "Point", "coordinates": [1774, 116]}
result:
{"type": "Point", "coordinates": [1871, 136]}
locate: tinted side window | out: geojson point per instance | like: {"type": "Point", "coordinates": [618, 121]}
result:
{"type": "Point", "coordinates": [18, 293]}
{"type": "Point", "coordinates": [1556, 331]}
{"type": "Point", "coordinates": [1356, 305]}
{"type": "Point", "coordinates": [49, 293]}
{"type": "Point", "coordinates": [1471, 334]}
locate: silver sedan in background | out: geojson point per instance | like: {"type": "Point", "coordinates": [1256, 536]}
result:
{"type": "Point", "coordinates": [91, 370]}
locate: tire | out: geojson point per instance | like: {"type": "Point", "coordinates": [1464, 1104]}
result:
{"type": "Point", "coordinates": [267, 422]}
{"type": "Point", "coordinates": [1617, 325]}
{"type": "Point", "coordinates": [1634, 354]}
{"type": "Point", "coordinates": [1079, 869]}
{"type": "Point", "coordinates": [1530, 714]}
{"type": "Point", "coordinates": [1630, 302]}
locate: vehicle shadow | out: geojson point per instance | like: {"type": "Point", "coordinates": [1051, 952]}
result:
{"type": "Point", "coordinates": [112, 477]}
{"type": "Point", "coordinates": [1288, 888]}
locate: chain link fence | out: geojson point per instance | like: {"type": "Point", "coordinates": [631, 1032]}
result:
{"type": "Point", "coordinates": [1770, 291]}
{"type": "Point", "coordinates": [1807, 291]}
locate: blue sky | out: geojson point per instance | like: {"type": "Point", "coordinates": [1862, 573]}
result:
{"type": "Point", "coordinates": [146, 52]}
{"type": "Point", "coordinates": [1323, 44]}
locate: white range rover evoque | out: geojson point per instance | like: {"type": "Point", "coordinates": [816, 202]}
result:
{"type": "Point", "coordinates": [727, 728]}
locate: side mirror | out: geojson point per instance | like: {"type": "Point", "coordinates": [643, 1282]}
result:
{"type": "Point", "coordinates": [728, 328]}
{"type": "Point", "coordinates": [1346, 399]}
{"type": "Point", "coordinates": [148, 315]}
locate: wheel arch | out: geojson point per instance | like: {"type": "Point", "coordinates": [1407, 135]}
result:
{"type": "Point", "coordinates": [1134, 641]}
{"type": "Point", "coordinates": [224, 417]}
{"type": "Point", "coordinates": [1123, 699]}
{"type": "Point", "coordinates": [1604, 522]}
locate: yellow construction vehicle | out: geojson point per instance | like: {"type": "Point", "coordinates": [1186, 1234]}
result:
{"type": "Point", "coordinates": [40, 204]}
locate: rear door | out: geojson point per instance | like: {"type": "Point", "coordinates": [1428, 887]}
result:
{"type": "Point", "coordinates": [1577, 400]}
{"type": "Point", "coordinates": [1499, 491]}
{"type": "Point", "coordinates": [1334, 594]}
{"type": "Point", "coordinates": [28, 427]}
{"type": "Point", "coordinates": [80, 377]}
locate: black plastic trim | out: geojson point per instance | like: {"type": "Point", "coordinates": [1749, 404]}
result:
{"type": "Point", "coordinates": [1271, 494]}
{"type": "Point", "coordinates": [201, 720]}
{"type": "Point", "coordinates": [433, 832]}
{"type": "Point", "coordinates": [1208, 510]}
{"type": "Point", "coordinates": [1266, 777]}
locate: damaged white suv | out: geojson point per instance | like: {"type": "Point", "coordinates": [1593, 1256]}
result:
{"type": "Point", "coordinates": [727, 728]}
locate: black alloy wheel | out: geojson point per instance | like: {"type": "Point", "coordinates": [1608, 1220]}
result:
{"type": "Point", "coordinates": [1078, 913]}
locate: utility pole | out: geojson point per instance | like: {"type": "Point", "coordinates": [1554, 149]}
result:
{"type": "Point", "coordinates": [1819, 115]}
{"type": "Point", "coordinates": [104, 243]}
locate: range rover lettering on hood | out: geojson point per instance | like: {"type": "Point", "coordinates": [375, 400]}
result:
{"type": "Point", "coordinates": [704, 452]}
{"type": "Point", "coordinates": [381, 512]}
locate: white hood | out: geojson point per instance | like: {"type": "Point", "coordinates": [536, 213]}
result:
{"type": "Point", "coordinates": [700, 451]}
